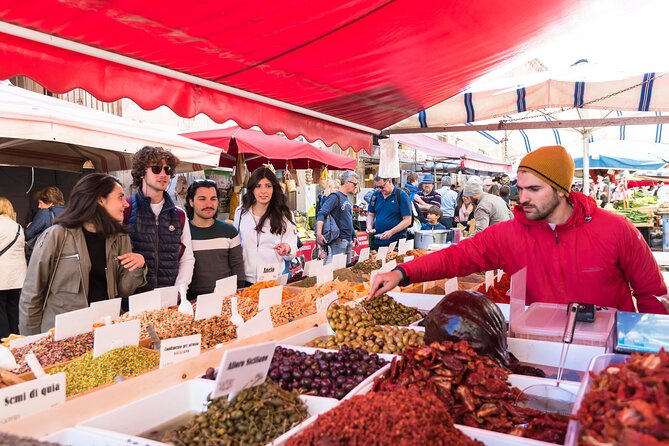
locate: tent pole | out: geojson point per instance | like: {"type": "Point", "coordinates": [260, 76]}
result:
{"type": "Point", "coordinates": [586, 162]}
{"type": "Point", "coordinates": [415, 160]}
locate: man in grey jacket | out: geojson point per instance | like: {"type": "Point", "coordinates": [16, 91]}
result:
{"type": "Point", "coordinates": [490, 209]}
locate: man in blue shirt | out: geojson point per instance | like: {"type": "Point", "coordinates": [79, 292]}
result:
{"type": "Point", "coordinates": [338, 205]}
{"type": "Point", "coordinates": [389, 212]}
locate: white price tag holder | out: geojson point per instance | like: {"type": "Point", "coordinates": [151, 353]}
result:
{"type": "Point", "coordinates": [391, 246]}
{"type": "Point", "coordinates": [402, 247]}
{"type": "Point", "coordinates": [500, 273]}
{"type": "Point", "coordinates": [322, 303]}
{"type": "Point", "coordinates": [325, 275]}
{"type": "Point", "coordinates": [169, 296]}
{"type": "Point", "coordinates": [22, 342]}
{"type": "Point", "coordinates": [269, 272]}
{"type": "Point", "coordinates": [208, 306]}
{"type": "Point", "coordinates": [517, 293]}
{"type": "Point", "coordinates": [243, 368]}
{"type": "Point", "coordinates": [269, 297]}
{"type": "Point", "coordinates": [364, 254]}
{"type": "Point", "coordinates": [282, 279]}
{"type": "Point", "coordinates": [339, 261]}
{"type": "Point", "coordinates": [388, 266]}
{"type": "Point", "coordinates": [372, 275]}
{"type": "Point", "coordinates": [149, 301]}
{"type": "Point", "coordinates": [21, 400]}
{"type": "Point", "coordinates": [115, 336]}
{"type": "Point", "coordinates": [259, 323]}
{"type": "Point", "coordinates": [226, 287]}
{"type": "Point", "coordinates": [179, 349]}
{"type": "Point", "coordinates": [104, 308]}
{"type": "Point", "coordinates": [312, 267]}
{"type": "Point", "coordinates": [410, 244]}
{"type": "Point", "coordinates": [408, 259]}
{"type": "Point", "coordinates": [451, 285]}
{"type": "Point", "coordinates": [489, 279]}
{"type": "Point", "coordinates": [73, 323]}
{"type": "Point", "coordinates": [381, 254]}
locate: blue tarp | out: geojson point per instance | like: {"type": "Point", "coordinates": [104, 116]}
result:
{"type": "Point", "coordinates": [643, 162]}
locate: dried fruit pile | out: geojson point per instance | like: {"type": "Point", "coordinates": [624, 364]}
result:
{"type": "Point", "coordinates": [628, 403]}
{"type": "Point", "coordinates": [50, 352]}
{"type": "Point", "coordinates": [386, 311]}
{"type": "Point", "coordinates": [13, 440]}
{"type": "Point", "coordinates": [473, 388]}
{"type": "Point", "coordinates": [403, 418]}
{"type": "Point", "coordinates": [256, 417]}
{"type": "Point", "coordinates": [498, 292]}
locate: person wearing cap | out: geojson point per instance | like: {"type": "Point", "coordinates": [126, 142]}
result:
{"type": "Point", "coordinates": [573, 250]}
{"type": "Point", "coordinates": [427, 197]}
{"type": "Point", "coordinates": [449, 199]}
{"type": "Point", "coordinates": [490, 209]}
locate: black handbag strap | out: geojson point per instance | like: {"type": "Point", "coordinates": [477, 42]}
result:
{"type": "Point", "coordinates": [16, 237]}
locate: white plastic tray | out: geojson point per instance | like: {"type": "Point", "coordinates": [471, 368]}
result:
{"type": "Point", "coordinates": [548, 353]}
{"type": "Point", "coordinates": [426, 302]}
{"type": "Point", "coordinates": [93, 437]}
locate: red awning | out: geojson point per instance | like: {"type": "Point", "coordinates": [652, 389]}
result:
{"type": "Point", "coordinates": [268, 148]}
{"type": "Point", "coordinates": [330, 71]}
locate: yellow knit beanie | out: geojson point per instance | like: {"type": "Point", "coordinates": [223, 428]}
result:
{"type": "Point", "coordinates": [552, 164]}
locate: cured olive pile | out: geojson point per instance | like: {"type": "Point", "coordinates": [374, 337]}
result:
{"type": "Point", "coordinates": [386, 311]}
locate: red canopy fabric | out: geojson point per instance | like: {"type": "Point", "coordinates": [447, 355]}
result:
{"type": "Point", "coordinates": [330, 71]}
{"type": "Point", "coordinates": [301, 155]}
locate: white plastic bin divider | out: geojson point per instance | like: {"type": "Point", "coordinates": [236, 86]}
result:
{"type": "Point", "coordinates": [309, 335]}
{"type": "Point", "coordinates": [424, 302]}
{"type": "Point", "coordinates": [155, 410]}
{"type": "Point", "coordinates": [490, 438]}
{"type": "Point", "coordinates": [316, 406]}
{"type": "Point", "coordinates": [548, 353]}
{"type": "Point", "coordinates": [82, 436]}
{"type": "Point", "coordinates": [597, 365]}
{"type": "Point", "coordinates": [523, 382]}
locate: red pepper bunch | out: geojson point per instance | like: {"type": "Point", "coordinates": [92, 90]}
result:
{"type": "Point", "coordinates": [497, 292]}
{"type": "Point", "coordinates": [406, 417]}
{"type": "Point", "coordinates": [628, 403]}
{"type": "Point", "coordinates": [473, 388]}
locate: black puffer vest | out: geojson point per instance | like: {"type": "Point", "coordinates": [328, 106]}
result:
{"type": "Point", "coordinates": [159, 243]}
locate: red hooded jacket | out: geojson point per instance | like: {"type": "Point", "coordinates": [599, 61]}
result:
{"type": "Point", "coordinates": [594, 257]}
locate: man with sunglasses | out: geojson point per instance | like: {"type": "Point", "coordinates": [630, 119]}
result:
{"type": "Point", "coordinates": [159, 229]}
{"type": "Point", "coordinates": [338, 206]}
{"type": "Point", "coordinates": [216, 244]}
{"type": "Point", "coordinates": [389, 212]}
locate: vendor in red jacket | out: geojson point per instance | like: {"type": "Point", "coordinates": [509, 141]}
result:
{"type": "Point", "coordinates": [573, 250]}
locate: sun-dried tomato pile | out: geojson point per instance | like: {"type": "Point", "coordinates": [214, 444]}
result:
{"type": "Point", "coordinates": [628, 403]}
{"type": "Point", "coordinates": [406, 417]}
{"type": "Point", "coordinates": [474, 389]}
{"type": "Point", "coordinates": [497, 292]}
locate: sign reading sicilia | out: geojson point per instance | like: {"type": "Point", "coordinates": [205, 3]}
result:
{"type": "Point", "coordinates": [23, 399]}
{"type": "Point", "coordinates": [242, 368]}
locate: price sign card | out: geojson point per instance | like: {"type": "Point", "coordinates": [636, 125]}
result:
{"type": "Point", "coordinates": [312, 267]}
{"type": "Point", "coordinates": [325, 275]}
{"type": "Point", "coordinates": [381, 254]}
{"type": "Point", "coordinates": [259, 323]}
{"type": "Point", "coordinates": [364, 254]}
{"type": "Point", "coordinates": [339, 261]}
{"type": "Point", "coordinates": [269, 272]}
{"type": "Point", "coordinates": [74, 323]}
{"type": "Point", "coordinates": [500, 273]}
{"type": "Point", "coordinates": [226, 287]}
{"type": "Point", "coordinates": [391, 247]}
{"type": "Point", "coordinates": [114, 336]}
{"type": "Point", "coordinates": [489, 279]}
{"type": "Point", "coordinates": [410, 244]}
{"type": "Point", "coordinates": [148, 301]}
{"type": "Point", "coordinates": [179, 349]}
{"type": "Point", "coordinates": [402, 247]}
{"type": "Point", "coordinates": [242, 368]}
{"type": "Point", "coordinates": [408, 259]}
{"type": "Point", "coordinates": [282, 279]}
{"type": "Point", "coordinates": [322, 303]}
{"type": "Point", "coordinates": [388, 266]}
{"type": "Point", "coordinates": [451, 285]}
{"type": "Point", "coordinates": [104, 308]}
{"type": "Point", "coordinates": [269, 297]}
{"type": "Point", "coordinates": [208, 306]}
{"type": "Point", "coordinates": [169, 296]}
{"type": "Point", "coordinates": [21, 400]}
{"type": "Point", "coordinates": [372, 275]}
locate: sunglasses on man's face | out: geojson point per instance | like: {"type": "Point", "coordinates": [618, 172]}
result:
{"type": "Point", "coordinates": [157, 169]}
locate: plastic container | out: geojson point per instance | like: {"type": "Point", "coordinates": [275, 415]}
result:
{"type": "Point", "coordinates": [94, 437]}
{"type": "Point", "coordinates": [546, 322]}
{"type": "Point", "coordinates": [548, 353]}
{"type": "Point", "coordinates": [597, 365]}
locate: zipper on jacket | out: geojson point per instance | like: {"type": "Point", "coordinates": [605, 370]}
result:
{"type": "Point", "coordinates": [155, 253]}
{"type": "Point", "coordinates": [82, 278]}
{"type": "Point", "coordinates": [556, 236]}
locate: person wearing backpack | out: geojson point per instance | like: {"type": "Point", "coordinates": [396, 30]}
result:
{"type": "Point", "coordinates": [389, 212]}
{"type": "Point", "coordinates": [334, 222]}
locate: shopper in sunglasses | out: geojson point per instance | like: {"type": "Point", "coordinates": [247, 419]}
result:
{"type": "Point", "coordinates": [159, 229]}
{"type": "Point", "coordinates": [389, 212]}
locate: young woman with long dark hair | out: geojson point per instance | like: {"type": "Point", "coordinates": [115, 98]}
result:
{"type": "Point", "coordinates": [265, 223]}
{"type": "Point", "coordinates": [86, 256]}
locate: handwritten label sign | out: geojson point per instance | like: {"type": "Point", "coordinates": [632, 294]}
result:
{"type": "Point", "coordinates": [179, 349]}
{"type": "Point", "coordinates": [489, 279]}
{"type": "Point", "coordinates": [269, 272]}
{"type": "Point", "coordinates": [34, 396]}
{"type": "Point", "coordinates": [325, 275]}
{"type": "Point", "coordinates": [208, 306]}
{"type": "Point", "coordinates": [391, 247]}
{"type": "Point", "coordinates": [388, 266]}
{"type": "Point", "coordinates": [282, 279]}
{"type": "Point", "coordinates": [381, 254]}
{"type": "Point", "coordinates": [22, 342]}
{"type": "Point", "coordinates": [242, 368]}
{"type": "Point", "coordinates": [322, 303]}
{"type": "Point", "coordinates": [259, 323]}
{"type": "Point", "coordinates": [226, 287]}
{"type": "Point", "coordinates": [169, 296]}
{"type": "Point", "coordinates": [312, 267]}
{"type": "Point", "coordinates": [428, 285]}
{"type": "Point", "coordinates": [402, 247]}
{"type": "Point", "coordinates": [74, 323]}
{"type": "Point", "coordinates": [451, 285]}
{"type": "Point", "coordinates": [339, 261]}
{"type": "Point", "coordinates": [114, 336]}
{"type": "Point", "coordinates": [148, 301]}
{"type": "Point", "coordinates": [372, 275]}
{"type": "Point", "coordinates": [410, 244]}
{"type": "Point", "coordinates": [500, 273]}
{"type": "Point", "coordinates": [269, 297]}
{"type": "Point", "coordinates": [364, 254]}
{"type": "Point", "coordinates": [408, 259]}
{"type": "Point", "coordinates": [109, 307]}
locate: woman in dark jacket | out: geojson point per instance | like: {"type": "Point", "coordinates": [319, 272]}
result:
{"type": "Point", "coordinates": [51, 204]}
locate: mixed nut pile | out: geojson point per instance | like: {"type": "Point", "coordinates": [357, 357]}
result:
{"type": "Point", "coordinates": [49, 352]}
